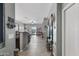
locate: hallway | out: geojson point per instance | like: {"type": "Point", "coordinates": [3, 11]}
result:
{"type": "Point", "coordinates": [36, 18]}
{"type": "Point", "coordinates": [36, 47]}
{"type": "Point", "coordinates": [56, 23]}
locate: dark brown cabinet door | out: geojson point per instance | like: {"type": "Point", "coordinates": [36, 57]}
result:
{"type": "Point", "coordinates": [18, 40]}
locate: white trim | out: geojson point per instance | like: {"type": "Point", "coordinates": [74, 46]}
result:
{"type": "Point", "coordinates": [63, 26]}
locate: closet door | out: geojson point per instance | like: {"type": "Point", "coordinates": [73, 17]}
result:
{"type": "Point", "coordinates": [71, 30]}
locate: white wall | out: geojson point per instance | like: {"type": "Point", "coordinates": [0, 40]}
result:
{"type": "Point", "coordinates": [9, 33]}
{"type": "Point", "coordinates": [64, 5]}
{"type": "Point", "coordinates": [59, 27]}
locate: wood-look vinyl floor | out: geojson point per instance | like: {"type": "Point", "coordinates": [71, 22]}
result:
{"type": "Point", "coordinates": [36, 47]}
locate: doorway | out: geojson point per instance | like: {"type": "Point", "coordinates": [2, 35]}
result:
{"type": "Point", "coordinates": [2, 26]}
{"type": "Point", "coordinates": [34, 29]}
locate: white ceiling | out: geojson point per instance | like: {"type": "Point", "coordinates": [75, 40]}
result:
{"type": "Point", "coordinates": [31, 12]}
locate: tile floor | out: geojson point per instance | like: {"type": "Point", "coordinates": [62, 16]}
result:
{"type": "Point", "coordinates": [36, 47]}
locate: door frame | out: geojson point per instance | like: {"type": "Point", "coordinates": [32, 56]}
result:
{"type": "Point", "coordinates": [63, 26]}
